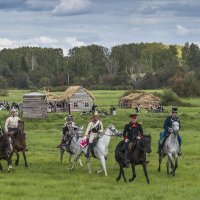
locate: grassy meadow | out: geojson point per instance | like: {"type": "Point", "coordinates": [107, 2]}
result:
{"type": "Point", "coordinates": [48, 179]}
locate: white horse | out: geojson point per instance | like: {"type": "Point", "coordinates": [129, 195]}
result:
{"type": "Point", "coordinates": [76, 138]}
{"type": "Point", "coordinates": [171, 149]}
{"type": "Point", "coordinates": [100, 150]}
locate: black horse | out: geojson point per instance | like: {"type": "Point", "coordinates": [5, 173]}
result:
{"type": "Point", "coordinates": [5, 150]}
{"type": "Point", "coordinates": [137, 153]}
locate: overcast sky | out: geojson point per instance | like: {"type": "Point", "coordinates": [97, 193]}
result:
{"type": "Point", "coordinates": [69, 23]}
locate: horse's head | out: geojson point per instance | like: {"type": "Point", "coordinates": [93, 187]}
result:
{"type": "Point", "coordinates": [175, 127]}
{"type": "Point", "coordinates": [114, 131]}
{"type": "Point", "coordinates": [79, 131]}
{"type": "Point", "coordinates": [145, 143]}
{"type": "Point", "coordinates": [20, 126]}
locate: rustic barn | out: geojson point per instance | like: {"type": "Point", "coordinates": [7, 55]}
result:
{"type": "Point", "coordinates": [78, 98]}
{"type": "Point", "coordinates": [34, 105]}
{"type": "Point", "coordinates": [133, 99]}
{"type": "Point", "coordinates": [75, 98]}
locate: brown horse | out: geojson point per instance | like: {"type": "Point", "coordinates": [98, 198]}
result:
{"type": "Point", "coordinates": [137, 156]}
{"type": "Point", "coordinates": [19, 142]}
{"type": "Point", "coordinates": [5, 150]}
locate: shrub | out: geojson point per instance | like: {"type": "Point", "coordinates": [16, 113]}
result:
{"type": "Point", "coordinates": [169, 97]}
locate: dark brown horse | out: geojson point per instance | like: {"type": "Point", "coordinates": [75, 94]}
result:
{"type": "Point", "coordinates": [19, 142]}
{"type": "Point", "coordinates": [137, 155]}
{"type": "Point", "coordinates": [5, 150]}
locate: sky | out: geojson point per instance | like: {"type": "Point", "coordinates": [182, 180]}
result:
{"type": "Point", "coordinates": [72, 23]}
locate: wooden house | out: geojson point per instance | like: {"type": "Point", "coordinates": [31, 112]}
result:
{"type": "Point", "coordinates": [133, 99]}
{"type": "Point", "coordinates": [74, 98]}
{"type": "Point", "coordinates": [34, 105]}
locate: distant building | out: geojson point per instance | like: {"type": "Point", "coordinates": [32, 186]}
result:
{"type": "Point", "coordinates": [133, 99]}
{"type": "Point", "coordinates": [75, 98]}
{"type": "Point", "coordinates": [34, 105]}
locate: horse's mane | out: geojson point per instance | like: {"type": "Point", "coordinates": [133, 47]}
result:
{"type": "Point", "coordinates": [147, 136]}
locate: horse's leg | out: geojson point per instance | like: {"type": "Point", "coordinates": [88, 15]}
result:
{"type": "Point", "coordinates": [70, 158]}
{"type": "Point", "coordinates": [145, 171]}
{"type": "Point", "coordinates": [167, 166]}
{"type": "Point", "coordinates": [9, 165]}
{"type": "Point", "coordinates": [120, 172]}
{"type": "Point", "coordinates": [176, 163]}
{"type": "Point", "coordinates": [133, 172]}
{"type": "Point", "coordinates": [17, 160]}
{"type": "Point", "coordinates": [103, 163]}
{"type": "Point", "coordinates": [88, 165]}
{"type": "Point", "coordinates": [75, 161]}
{"type": "Point", "coordinates": [171, 163]}
{"type": "Point", "coordinates": [61, 154]}
{"type": "Point", "coordinates": [160, 161]}
{"type": "Point", "coordinates": [24, 155]}
{"type": "Point", "coordinates": [80, 162]}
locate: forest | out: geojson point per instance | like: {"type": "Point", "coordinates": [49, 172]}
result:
{"type": "Point", "coordinates": [127, 66]}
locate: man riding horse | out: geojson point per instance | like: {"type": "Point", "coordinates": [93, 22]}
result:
{"type": "Point", "coordinates": [132, 131]}
{"type": "Point", "coordinates": [95, 127]}
{"type": "Point", "coordinates": [68, 131]}
{"type": "Point", "coordinates": [167, 130]}
{"type": "Point", "coordinates": [11, 123]}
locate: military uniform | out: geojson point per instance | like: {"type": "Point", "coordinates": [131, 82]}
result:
{"type": "Point", "coordinates": [131, 131]}
{"type": "Point", "coordinates": [167, 127]}
{"type": "Point", "coordinates": [95, 126]}
{"type": "Point", "coordinates": [67, 131]}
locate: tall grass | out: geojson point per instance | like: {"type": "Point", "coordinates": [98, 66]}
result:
{"type": "Point", "coordinates": [48, 179]}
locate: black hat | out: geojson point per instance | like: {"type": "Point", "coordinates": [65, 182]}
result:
{"type": "Point", "coordinates": [134, 116]}
{"type": "Point", "coordinates": [174, 110]}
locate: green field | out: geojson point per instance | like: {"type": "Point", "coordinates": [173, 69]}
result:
{"type": "Point", "coordinates": [48, 179]}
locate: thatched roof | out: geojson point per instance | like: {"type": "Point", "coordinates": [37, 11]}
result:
{"type": "Point", "coordinates": [70, 91]}
{"type": "Point", "coordinates": [54, 97]}
{"type": "Point", "coordinates": [132, 96]}
{"type": "Point", "coordinates": [145, 100]}
{"type": "Point", "coordinates": [141, 97]}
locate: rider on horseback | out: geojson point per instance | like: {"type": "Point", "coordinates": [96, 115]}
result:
{"type": "Point", "coordinates": [68, 131]}
{"type": "Point", "coordinates": [132, 131]}
{"type": "Point", "coordinates": [11, 123]}
{"type": "Point", "coordinates": [168, 128]}
{"type": "Point", "coordinates": [95, 126]}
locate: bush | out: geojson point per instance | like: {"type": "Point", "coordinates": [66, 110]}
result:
{"type": "Point", "coordinates": [169, 97]}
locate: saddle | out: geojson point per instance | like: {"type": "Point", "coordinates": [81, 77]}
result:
{"type": "Point", "coordinates": [121, 145]}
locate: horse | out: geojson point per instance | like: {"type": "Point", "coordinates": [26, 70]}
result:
{"type": "Point", "coordinates": [72, 146]}
{"type": "Point", "coordinates": [137, 154]}
{"type": "Point", "coordinates": [100, 151]}
{"type": "Point", "coordinates": [19, 143]}
{"type": "Point", "coordinates": [171, 149]}
{"type": "Point", "coordinates": [5, 151]}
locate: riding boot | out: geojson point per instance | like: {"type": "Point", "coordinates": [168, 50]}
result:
{"type": "Point", "coordinates": [89, 150]}
{"type": "Point", "coordinates": [159, 148]}
{"type": "Point", "coordinates": [127, 161]}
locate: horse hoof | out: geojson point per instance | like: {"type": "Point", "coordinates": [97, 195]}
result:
{"type": "Point", "coordinates": [72, 169]}
{"type": "Point", "coordinates": [117, 179]}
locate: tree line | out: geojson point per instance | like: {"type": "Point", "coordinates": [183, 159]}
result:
{"type": "Point", "coordinates": [127, 66]}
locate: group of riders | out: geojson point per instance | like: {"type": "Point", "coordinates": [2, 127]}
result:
{"type": "Point", "coordinates": [132, 132]}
